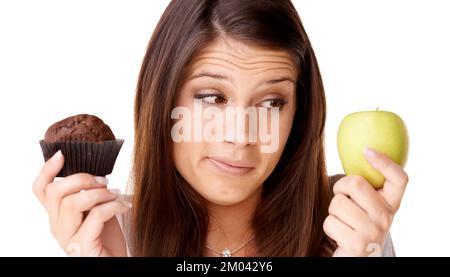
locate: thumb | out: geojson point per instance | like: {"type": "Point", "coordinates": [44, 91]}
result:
{"type": "Point", "coordinates": [48, 172]}
{"type": "Point", "coordinates": [53, 165]}
{"type": "Point", "coordinates": [396, 178]}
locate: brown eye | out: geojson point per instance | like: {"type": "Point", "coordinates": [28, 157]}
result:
{"type": "Point", "coordinates": [273, 103]}
{"type": "Point", "coordinates": [212, 98]}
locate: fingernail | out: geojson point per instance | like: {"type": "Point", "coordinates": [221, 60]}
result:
{"type": "Point", "coordinates": [56, 157]}
{"type": "Point", "coordinates": [369, 152]}
{"type": "Point", "coordinates": [115, 191]}
{"type": "Point", "coordinates": [101, 180]}
{"type": "Point", "coordinates": [127, 204]}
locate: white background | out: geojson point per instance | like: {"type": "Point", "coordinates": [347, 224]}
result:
{"type": "Point", "coordinates": [60, 58]}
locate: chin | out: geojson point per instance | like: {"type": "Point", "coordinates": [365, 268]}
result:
{"type": "Point", "coordinates": [221, 201]}
{"type": "Point", "coordinates": [225, 195]}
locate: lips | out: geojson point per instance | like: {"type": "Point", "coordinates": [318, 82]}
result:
{"type": "Point", "coordinates": [230, 167]}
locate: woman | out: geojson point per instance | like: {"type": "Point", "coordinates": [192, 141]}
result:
{"type": "Point", "coordinates": [226, 197]}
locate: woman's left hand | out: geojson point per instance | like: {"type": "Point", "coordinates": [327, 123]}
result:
{"type": "Point", "coordinates": [360, 216]}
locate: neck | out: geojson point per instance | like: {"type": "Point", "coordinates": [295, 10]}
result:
{"type": "Point", "coordinates": [231, 226]}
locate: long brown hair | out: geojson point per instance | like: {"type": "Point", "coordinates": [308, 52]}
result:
{"type": "Point", "coordinates": [169, 217]}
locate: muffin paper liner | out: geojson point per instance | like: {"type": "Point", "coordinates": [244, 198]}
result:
{"type": "Point", "coordinates": [96, 158]}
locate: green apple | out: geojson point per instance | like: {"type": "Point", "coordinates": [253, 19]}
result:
{"type": "Point", "coordinates": [381, 130]}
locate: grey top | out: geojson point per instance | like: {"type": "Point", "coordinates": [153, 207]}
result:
{"type": "Point", "coordinates": [388, 247]}
{"type": "Point", "coordinates": [124, 221]}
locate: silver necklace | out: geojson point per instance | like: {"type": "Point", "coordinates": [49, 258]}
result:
{"type": "Point", "coordinates": [228, 252]}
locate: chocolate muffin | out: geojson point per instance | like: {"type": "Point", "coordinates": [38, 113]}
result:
{"type": "Point", "coordinates": [87, 143]}
{"type": "Point", "coordinates": [82, 127]}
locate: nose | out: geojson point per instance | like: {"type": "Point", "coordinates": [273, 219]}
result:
{"type": "Point", "coordinates": [241, 127]}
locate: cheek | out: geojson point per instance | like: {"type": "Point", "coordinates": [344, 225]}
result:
{"type": "Point", "coordinates": [186, 156]}
{"type": "Point", "coordinates": [270, 160]}
{"type": "Point", "coordinates": [285, 129]}
{"type": "Point", "coordinates": [282, 131]}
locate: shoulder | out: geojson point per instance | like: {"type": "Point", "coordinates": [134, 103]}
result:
{"type": "Point", "coordinates": [125, 223]}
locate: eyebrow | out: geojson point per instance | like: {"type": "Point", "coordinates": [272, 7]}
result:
{"type": "Point", "coordinates": [223, 77]}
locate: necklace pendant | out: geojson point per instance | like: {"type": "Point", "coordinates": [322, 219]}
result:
{"type": "Point", "coordinates": [226, 252]}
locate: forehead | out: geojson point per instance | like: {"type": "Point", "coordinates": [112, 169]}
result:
{"type": "Point", "coordinates": [239, 57]}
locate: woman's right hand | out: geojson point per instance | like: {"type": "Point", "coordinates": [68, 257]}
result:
{"type": "Point", "coordinates": [81, 211]}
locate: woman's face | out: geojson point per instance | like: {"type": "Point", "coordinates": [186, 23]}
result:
{"type": "Point", "coordinates": [226, 75]}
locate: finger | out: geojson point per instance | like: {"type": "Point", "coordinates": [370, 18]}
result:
{"type": "Point", "coordinates": [396, 177]}
{"type": "Point", "coordinates": [338, 231]}
{"type": "Point", "coordinates": [56, 191]}
{"type": "Point", "coordinates": [73, 206]}
{"type": "Point", "coordinates": [47, 174]}
{"type": "Point", "coordinates": [87, 199]}
{"type": "Point", "coordinates": [93, 224]}
{"type": "Point", "coordinates": [349, 212]}
{"type": "Point", "coordinates": [362, 193]}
